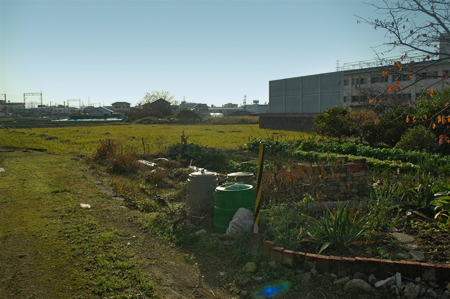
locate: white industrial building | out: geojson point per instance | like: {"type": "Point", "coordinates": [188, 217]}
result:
{"type": "Point", "coordinates": [293, 102]}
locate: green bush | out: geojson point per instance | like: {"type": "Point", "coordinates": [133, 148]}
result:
{"type": "Point", "coordinates": [270, 147]}
{"type": "Point", "coordinates": [391, 127]}
{"type": "Point", "coordinates": [417, 139]}
{"type": "Point", "coordinates": [201, 156]}
{"type": "Point", "coordinates": [334, 123]}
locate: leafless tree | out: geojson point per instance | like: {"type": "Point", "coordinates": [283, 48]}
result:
{"type": "Point", "coordinates": [420, 29]}
{"type": "Point", "coordinates": [156, 95]}
{"type": "Point", "coordinates": [417, 26]}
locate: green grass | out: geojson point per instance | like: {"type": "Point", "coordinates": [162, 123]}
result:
{"type": "Point", "coordinates": [75, 253]}
{"type": "Point", "coordinates": [156, 137]}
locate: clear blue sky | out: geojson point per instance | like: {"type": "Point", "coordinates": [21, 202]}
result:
{"type": "Point", "coordinates": [212, 52]}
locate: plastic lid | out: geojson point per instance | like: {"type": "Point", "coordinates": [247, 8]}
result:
{"type": "Point", "coordinates": [234, 187]}
{"type": "Point", "coordinates": [240, 174]}
{"type": "Point", "coordinates": [203, 172]}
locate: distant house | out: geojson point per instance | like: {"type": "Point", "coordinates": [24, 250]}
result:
{"type": "Point", "coordinates": [86, 110]}
{"type": "Point", "coordinates": [121, 106]}
{"type": "Point", "coordinates": [201, 109]}
{"type": "Point", "coordinates": [160, 105]}
{"type": "Point", "coordinates": [100, 112]}
{"type": "Point", "coordinates": [186, 105]}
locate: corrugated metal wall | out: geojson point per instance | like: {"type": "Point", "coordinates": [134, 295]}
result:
{"type": "Point", "coordinates": [309, 94]}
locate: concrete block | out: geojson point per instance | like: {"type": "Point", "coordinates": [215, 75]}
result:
{"type": "Point", "coordinates": [361, 265]}
{"type": "Point", "coordinates": [276, 254]}
{"type": "Point", "coordinates": [443, 273]}
{"type": "Point", "coordinates": [335, 264]}
{"type": "Point", "coordinates": [288, 258]}
{"type": "Point", "coordinates": [348, 264]}
{"type": "Point", "coordinates": [323, 263]}
{"type": "Point", "coordinates": [387, 268]}
{"type": "Point", "coordinates": [299, 258]}
{"type": "Point", "coordinates": [310, 261]}
{"type": "Point", "coordinates": [267, 250]}
{"type": "Point", "coordinates": [374, 266]}
{"type": "Point", "coordinates": [428, 272]}
{"type": "Point", "coordinates": [409, 269]}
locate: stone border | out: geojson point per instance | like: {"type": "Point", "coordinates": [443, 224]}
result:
{"type": "Point", "coordinates": [439, 273]}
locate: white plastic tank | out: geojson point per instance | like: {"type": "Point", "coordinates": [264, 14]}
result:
{"type": "Point", "coordinates": [201, 186]}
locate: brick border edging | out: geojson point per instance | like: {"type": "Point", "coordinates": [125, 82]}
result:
{"type": "Point", "coordinates": [439, 273]}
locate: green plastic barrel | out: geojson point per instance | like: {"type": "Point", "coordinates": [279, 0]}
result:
{"type": "Point", "coordinates": [228, 199]}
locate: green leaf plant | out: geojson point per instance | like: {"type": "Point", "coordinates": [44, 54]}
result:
{"type": "Point", "coordinates": [339, 227]}
{"type": "Point", "coordinates": [442, 203]}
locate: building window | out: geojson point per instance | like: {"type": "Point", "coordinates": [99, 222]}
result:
{"type": "Point", "coordinates": [355, 99]}
{"type": "Point", "coordinates": [358, 81]}
{"type": "Point", "coordinates": [404, 78]}
{"type": "Point", "coordinates": [376, 79]}
{"type": "Point", "coordinates": [346, 82]}
{"type": "Point", "coordinates": [346, 99]}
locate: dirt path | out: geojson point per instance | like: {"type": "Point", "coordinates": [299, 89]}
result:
{"type": "Point", "coordinates": [50, 247]}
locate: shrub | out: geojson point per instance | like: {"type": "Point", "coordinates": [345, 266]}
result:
{"type": "Point", "coordinates": [363, 121]}
{"type": "Point", "coordinates": [118, 159]}
{"type": "Point", "coordinates": [201, 156]}
{"type": "Point", "coordinates": [334, 122]}
{"type": "Point", "coordinates": [106, 148]}
{"type": "Point", "coordinates": [391, 127]}
{"type": "Point", "coordinates": [123, 161]}
{"type": "Point", "coordinates": [157, 176]}
{"type": "Point", "coordinates": [417, 139]}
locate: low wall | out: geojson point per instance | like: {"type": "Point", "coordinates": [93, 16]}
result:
{"type": "Point", "coordinates": [333, 264]}
{"type": "Point", "coordinates": [343, 181]}
{"type": "Point", "coordinates": [286, 121]}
